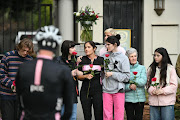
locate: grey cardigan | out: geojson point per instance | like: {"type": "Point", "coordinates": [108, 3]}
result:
{"type": "Point", "coordinates": [120, 68]}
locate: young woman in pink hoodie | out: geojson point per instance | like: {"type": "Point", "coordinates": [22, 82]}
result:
{"type": "Point", "coordinates": [162, 86]}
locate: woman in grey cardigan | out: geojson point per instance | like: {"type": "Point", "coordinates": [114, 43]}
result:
{"type": "Point", "coordinates": [117, 72]}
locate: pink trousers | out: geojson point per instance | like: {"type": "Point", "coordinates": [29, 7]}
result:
{"type": "Point", "coordinates": [118, 100]}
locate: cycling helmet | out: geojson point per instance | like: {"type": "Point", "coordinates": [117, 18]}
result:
{"type": "Point", "coordinates": [48, 37]}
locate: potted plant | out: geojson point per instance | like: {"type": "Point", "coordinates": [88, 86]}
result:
{"type": "Point", "coordinates": [86, 17]}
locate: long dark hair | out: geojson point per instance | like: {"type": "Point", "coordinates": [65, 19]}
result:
{"type": "Point", "coordinates": [65, 48]}
{"type": "Point", "coordinates": [164, 62]}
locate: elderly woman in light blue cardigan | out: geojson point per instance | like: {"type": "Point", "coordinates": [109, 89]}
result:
{"type": "Point", "coordinates": [135, 89]}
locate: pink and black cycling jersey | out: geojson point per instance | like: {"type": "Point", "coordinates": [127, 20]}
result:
{"type": "Point", "coordinates": [42, 87]}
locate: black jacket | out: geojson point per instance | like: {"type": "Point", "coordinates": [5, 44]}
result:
{"type": "Point", "coordinates": [41, 102]}
{"type": "Point", "coordinates": [72, 65]}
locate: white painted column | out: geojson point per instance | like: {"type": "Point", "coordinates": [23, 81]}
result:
{"type": "Point", "coordinates": [65, 17]}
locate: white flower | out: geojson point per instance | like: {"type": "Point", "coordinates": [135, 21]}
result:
{"type": "Point", "coordinates": [91, 14]}
{"type": "Point", "coordinates": [78, 14]}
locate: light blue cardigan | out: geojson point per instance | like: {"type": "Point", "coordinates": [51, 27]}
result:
{"type": "Point", "coordinates": [141, 78]}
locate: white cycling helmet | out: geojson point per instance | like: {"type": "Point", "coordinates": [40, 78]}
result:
{"type": "Point", "coordinates": [48, 37]}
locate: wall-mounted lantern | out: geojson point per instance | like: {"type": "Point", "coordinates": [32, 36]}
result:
{"type": "Point", "coordinates": [159, 6]}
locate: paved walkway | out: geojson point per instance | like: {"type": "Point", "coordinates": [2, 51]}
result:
{"type": "Point", "coordinates": [81, 117]}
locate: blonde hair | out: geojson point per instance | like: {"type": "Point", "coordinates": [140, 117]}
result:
{"type": "Point", "coordinates": [111, 30]}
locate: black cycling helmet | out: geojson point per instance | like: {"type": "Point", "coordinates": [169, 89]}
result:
{"type": "Point", "coordinates": [48, 38]}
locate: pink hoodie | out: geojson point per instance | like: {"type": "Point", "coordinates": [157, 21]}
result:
{"type": "Point", "coordinates": [169, 95]}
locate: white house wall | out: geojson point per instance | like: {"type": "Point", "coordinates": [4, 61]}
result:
{"type": "Point", "coordinates": [161, 31]}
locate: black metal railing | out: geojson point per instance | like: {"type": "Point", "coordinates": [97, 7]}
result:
{"type": "Point", "coordinates": [21, 15]}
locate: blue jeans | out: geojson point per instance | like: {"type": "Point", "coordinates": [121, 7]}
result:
{"type": "Point", "coordinates": [162, 112]}
{"type": "Point", "coordinates": [74, 111]}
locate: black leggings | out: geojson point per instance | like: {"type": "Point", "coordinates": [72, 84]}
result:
{"type": "Point", "coordinates": [134, 111]}
{"type": "Point", "coordinates": [96, 101]}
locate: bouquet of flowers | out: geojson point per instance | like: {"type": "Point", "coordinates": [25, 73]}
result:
{"type": "Point", "coordinates": [86, 17]}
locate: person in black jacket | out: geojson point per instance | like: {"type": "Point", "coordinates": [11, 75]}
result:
{"type": "Point", "coordinates": [69, 58]}
{"type": "Point", "coordinates": [43, 85]}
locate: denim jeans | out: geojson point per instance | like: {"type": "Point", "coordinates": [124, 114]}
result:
{"type": "Point", "coordinates": [74, 111]}
{"type": "Point", "coordinates": [162, 112]}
